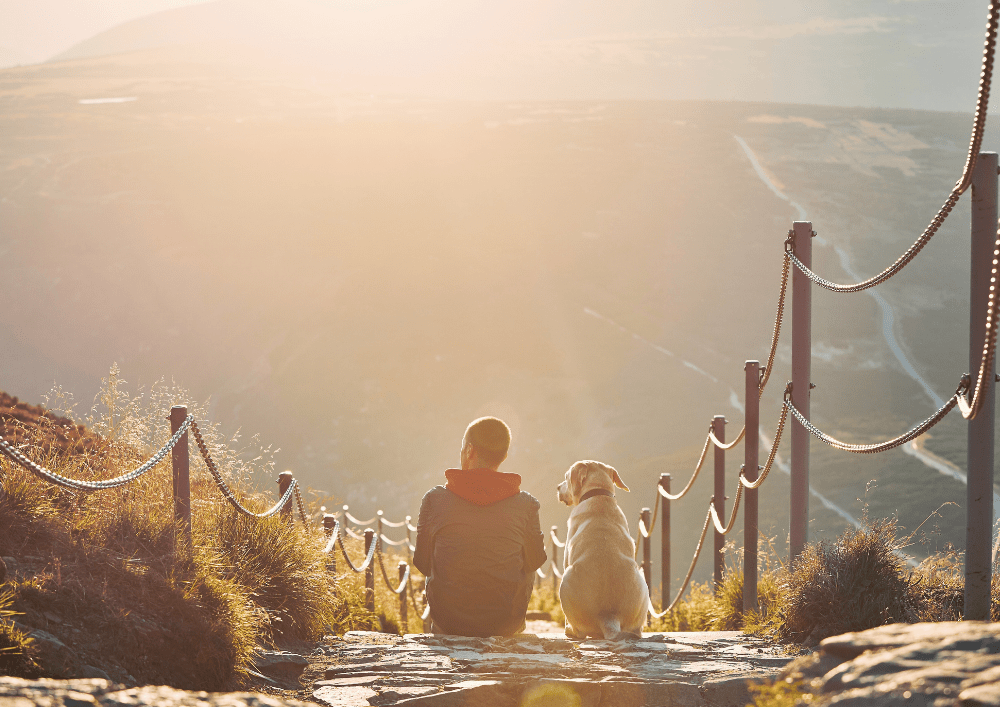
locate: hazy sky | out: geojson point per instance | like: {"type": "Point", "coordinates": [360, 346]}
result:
{"type": "Point", "coordinates": [34, 30]}
{"type": "Point", "coordinates": [880, 53]}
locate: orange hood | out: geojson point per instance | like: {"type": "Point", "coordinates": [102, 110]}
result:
{"type": "Point", "coordinates": [482, 486]}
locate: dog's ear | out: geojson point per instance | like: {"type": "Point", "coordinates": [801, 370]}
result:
{"type": "Point", "coordinates": [618, 480]}
{"type": "Point", "coordinates": [576, 474]}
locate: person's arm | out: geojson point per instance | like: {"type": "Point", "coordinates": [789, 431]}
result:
{"type": "Point", "coordinates": [534, 546]}
{"type": "Point", "coordinates": [423, 553]}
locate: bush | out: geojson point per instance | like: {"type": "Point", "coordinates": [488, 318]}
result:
{"type": "Point", "coordinates": [855, 583]}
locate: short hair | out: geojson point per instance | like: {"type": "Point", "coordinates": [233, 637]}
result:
{"type": "Point", "coordinates": [490, 437]}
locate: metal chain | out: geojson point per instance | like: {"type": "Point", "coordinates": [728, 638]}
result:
{"type": "Point", "coordinates": [78, 485]}
{"type": "Point", "coordinates": [354, 520]}
{"type": "Point", "coordinates": [770, 457]}
{"type": "Point", "coordinates": [368, 559]}
{"type": "Point", "coordinates": [697, 470]}
{"type": "Point", "coordinates": [385, 576]}
{"type": "Point", "coordinates": [970, 410]}
{"type": "Point", "coordinates": [765, 377]}
{"type": "Point", "coordinates": [394, 543]}
{"type": "Point", "coordinates": [298, 502]}
{"type": "Point", "coordinates": [555, 539]}
{"type": "Point", "coordinates": [881, 446]}
{"type": "Point", "coordinates": [687, 579]}
{"type": "Point", "coordinates": [975, 142]}
{"type": "Point", "coordinates": [332, 542]}
{"type": "Point", "coordinates": [779, 315]}
{"type": "Point", "coordinates": [227, 493]}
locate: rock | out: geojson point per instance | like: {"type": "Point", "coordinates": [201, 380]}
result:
{"type": "Point", "coordinates": [56, 659]}
{"type": "Point", "coordinates": [16, 692]}
{"type": "Point", "coordinates": [280, 664]}
{"type": "Point", "coordinates": [933, 664]}
{"type": "Point", "coordinates": [89, 671]}
{"type": "Point", "coordinates": [344, 696]}
{"type": "Point", "coordinates": [980, 696]}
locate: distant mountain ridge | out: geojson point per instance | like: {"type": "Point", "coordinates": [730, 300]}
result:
{"type": "Point", "coordinates": [916, 55]}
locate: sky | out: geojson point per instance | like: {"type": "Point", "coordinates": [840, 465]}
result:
{"type": "Point", "coordinates": [921, 54]}
{"type": "Point", "coordinates": [34, 30]}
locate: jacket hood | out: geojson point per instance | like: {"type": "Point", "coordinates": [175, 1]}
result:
{"type": "Point", "coordinates": [482, 486]}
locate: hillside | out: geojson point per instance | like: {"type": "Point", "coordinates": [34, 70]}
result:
{"type": "Point", "coordinates": [356, 277]}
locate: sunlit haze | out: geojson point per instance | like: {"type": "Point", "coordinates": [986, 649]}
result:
{"type": "Point", "coordinates": [352, 226]}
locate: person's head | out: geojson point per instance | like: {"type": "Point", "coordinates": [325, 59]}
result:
{"type": "Point", "coordinates": [485, 444]}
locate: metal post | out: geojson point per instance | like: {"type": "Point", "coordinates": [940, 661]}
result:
{"type": "Point", "coordinates": [369, 572]}
{"type": "Point", "coordinates": [750, 443]}
{"type": "Point", "coordinates": [665, 542]}
{"type": "Point", "coordinates": [378, 530]}
{"type": "Point", "coordinates": [181, 468]}
{"type": "Point", "coordinates": [552, 559]}
{"type": "Point", "coordinates": [404, 621]}
{"type": "Point", "coordinates": [719, 499]}
{"type": "Point", "coordinates": [329, 521]}
{"type": "Point", "coordinates": [979, 516]}
{"type": "Point", "coordinates": [798, 519]}
{"type": "Point", "coordinates": [647, 564]}
{"type": "Point", "coordinates": [284, 481]}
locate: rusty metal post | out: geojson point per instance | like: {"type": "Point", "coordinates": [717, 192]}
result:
{"type": "Point", "coordinates": [719, 499]}
{"type": "Point", "coordinates": [552, 559]}
{"type": "Point", "coordinates": [665, 542]}
{"type": "Point", "coordinates": [979, 516]}
{"type": "Point", "coordinates": [369, 572]}
{"type": "Point", "coordinates": [750, 444]}
{"type": "Point", "coordinates": [181, 468]}
{"type": "Point", "coordinates": [284, 481]}
{"type": "Point", "coordinates": [647, 564]}
{"type": "Point", "coordinates": [329, 521]}
{"type": "Point", "coordinates": [404, 621]}
{"type": "Point", "coordinates": [798, 519]}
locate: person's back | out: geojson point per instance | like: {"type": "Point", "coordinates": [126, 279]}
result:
{"type": "Point", "coordinates": [479, 541]}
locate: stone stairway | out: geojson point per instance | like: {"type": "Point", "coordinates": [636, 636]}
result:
{"type": "Point", "coordinates": [535, 670]}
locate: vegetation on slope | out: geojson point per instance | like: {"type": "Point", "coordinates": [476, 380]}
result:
{"type": "Point", "coordinates": [103, 572]}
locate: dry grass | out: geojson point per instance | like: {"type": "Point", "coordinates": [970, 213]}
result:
{"type": "Point", "coordinates": [102, 571]}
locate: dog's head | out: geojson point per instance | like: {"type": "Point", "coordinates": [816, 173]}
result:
{"type": "Point", "coordinates": [584, 476]}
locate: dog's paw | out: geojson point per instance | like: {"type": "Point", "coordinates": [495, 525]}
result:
{"type": "Point", "coordinates": [574, 634]}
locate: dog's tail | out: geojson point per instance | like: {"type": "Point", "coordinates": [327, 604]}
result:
{"type": "Point", "coordinates": [611, 627]}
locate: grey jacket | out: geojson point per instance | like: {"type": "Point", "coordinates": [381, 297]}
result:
{"type": "Point", "coordinates": [479, 561]}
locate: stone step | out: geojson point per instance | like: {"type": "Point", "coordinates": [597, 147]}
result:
{"type": "Point", "coordinates": [709, 669]}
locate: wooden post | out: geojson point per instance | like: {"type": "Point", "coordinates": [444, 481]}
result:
{"type": "Point", "coordinates": [979, 516]}
{"type": "Point", "coordinates": [750, 443]}
{"type": "Point", "coordinates": [369, 572]}
{"type": "Point", "coordinates": [409, 540]}
{"type": "Point", "coordinates": [719, 499]}
{"type": "Point", "coordinates": [552, 559]}
{"type": "Point", "coordinates": [329, 521]}
{"type": "Point", "coordinates": [798, 520]}
{"type": "Point", "coordinates": [665, 542]}
{"type": "Point", "coordinates": [404, 622]}
{"type": "Point", "coordinates": [647, 564]}
{"type": "Point", "coordinates": [378, 530]}
{"type": "Point", "coordinates": [181, 468]}
{"type": "Point", "coordinates": [284, 481]}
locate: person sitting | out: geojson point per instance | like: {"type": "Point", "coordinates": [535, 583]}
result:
{"type": "Point", "coordinates": [479, 540]}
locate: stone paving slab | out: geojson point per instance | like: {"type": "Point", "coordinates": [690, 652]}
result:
{"type": "Point", "coordinates": [363, 669]}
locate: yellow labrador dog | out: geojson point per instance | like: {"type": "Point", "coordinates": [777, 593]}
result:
{"type": "Point", "coordinates": [603, 592]}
